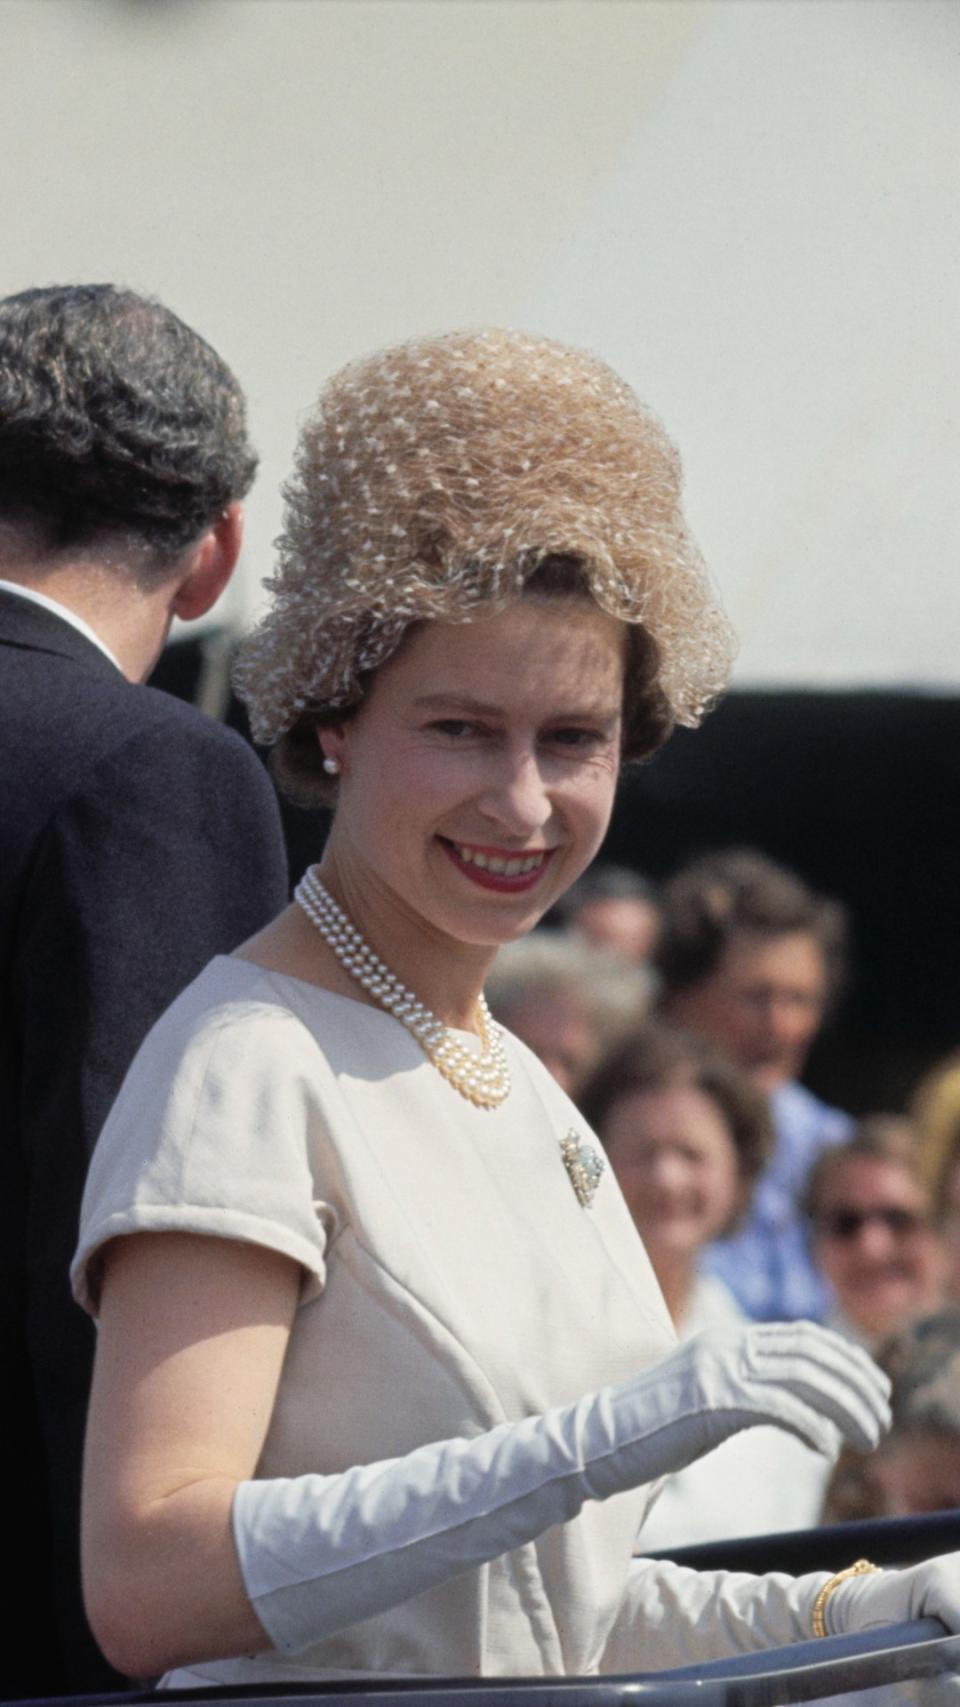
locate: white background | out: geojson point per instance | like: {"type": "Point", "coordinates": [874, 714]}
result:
{"type": "Point", "coordinates": [749, 206]}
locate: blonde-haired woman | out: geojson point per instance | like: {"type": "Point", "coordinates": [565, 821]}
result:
{"type": "Point", "coordinates": [936, 1110]}
{"type": "Point", "coordinates": [385, 1380]}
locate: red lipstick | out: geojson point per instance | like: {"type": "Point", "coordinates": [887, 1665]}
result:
{"type": "Point", "coordinates": [506, 883]}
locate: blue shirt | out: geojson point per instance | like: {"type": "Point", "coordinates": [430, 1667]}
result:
{"type": "Point", "coordinates": [767, 1265]}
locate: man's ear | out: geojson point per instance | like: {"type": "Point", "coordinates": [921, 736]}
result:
{"type": "Point", "coordinates": [209, 565]}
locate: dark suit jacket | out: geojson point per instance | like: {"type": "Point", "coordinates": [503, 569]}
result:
{"type": "Point", "coordinates": [137, 839]}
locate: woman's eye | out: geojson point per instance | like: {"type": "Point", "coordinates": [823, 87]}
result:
{"type": "Point", "coordinates": [575, 737]}
{"type": "Point", "coordinates": [455, 727]}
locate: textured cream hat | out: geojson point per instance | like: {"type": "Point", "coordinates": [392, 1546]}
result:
{"type": "Point", "coordinates": [432, 480]}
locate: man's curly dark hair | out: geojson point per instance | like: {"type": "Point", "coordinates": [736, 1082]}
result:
{"type": "Point", "coordinates": [739, 891]}
{"type": "Point", "coordinates": [116, 420]}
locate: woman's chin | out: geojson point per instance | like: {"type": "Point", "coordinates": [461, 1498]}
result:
{"type": "Point", "coordinates": [678, 1250]}
{"type": "Point", "coordinates": [493, 924]}
{"type": "Point", "coordinates": [877, 1317]}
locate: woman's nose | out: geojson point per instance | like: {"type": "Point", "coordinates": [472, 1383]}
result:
{"type": "Point", "coordinates": [518, 798]}
{"type": "Point", "coordinates": [666, 1171]}
{"type": "Point", "coordinates": [874, 1239]}
{"type": "Point", "coordinates": [787, 1019]}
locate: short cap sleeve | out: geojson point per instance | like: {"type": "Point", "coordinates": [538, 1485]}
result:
{"type": "Point", "coordinates": [213, 1132]}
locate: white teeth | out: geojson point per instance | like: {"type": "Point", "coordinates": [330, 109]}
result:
{"type": "Point", "coordinates": [518, 866]}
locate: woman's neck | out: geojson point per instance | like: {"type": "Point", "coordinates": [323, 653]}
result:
{"type": "Point", "coordinates": [447, 976]}
{"type": "Point", "coordinates": [677, 1275]}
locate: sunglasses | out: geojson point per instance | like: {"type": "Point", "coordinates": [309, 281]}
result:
{"type": "Point", "coordinates": [843, 1223]}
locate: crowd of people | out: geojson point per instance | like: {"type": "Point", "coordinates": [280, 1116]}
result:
{"type": "Point", "coordinates": [752, 1196]}
{"type": "Point", "coordinates": [385, 1381]}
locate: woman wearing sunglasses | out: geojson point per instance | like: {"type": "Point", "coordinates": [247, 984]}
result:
{"type": "Point", "coordinates": [873, 1231]}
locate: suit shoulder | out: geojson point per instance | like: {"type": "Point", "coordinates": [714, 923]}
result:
{"type": "Point", "coordinates": [147, 740]}
{"type": "Point", "coordinates": [162, 711]}
{"type": "Point", "coordinates": [169, 750]}
{"type": "Point", "coordinates": [52, 704]}
{"type": "Point", "coordinates": [103, 755]}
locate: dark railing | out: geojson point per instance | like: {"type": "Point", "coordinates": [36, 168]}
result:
{"type": "Point", "coordinates": [865, 1669]}
{"type": "Point", "coordinates": [889, 1541]}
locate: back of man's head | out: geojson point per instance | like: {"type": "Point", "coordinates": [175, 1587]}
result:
{"type": "Point", "coordinates": [118, 424]}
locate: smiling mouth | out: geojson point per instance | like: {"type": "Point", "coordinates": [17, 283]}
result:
{"type": "Point", "coordinates": [893, 1274]}
{"type": "Point", "coordinates": [495, 869]}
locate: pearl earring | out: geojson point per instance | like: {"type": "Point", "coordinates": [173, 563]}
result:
{"type": "Point", "coordinates": [332, 766]}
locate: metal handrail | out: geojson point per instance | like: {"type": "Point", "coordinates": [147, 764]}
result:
{"type": "Point", "coordinates": [807, 1671]}
{"type": "Point", "coordinates": [886, 1541]}
{"type": "Point", "coordinates": [777, 1677]}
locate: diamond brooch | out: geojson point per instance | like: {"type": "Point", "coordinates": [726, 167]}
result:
{"type": "Point", "coordinates": [585, 1167]}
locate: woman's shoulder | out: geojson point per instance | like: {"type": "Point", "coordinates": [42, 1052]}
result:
{"type": "Point", "coordinates": [232, 978]}
{"type": "Point", "coordinates": [236, 999]}
{"type": "Point", "coordinates": [215, 1127]}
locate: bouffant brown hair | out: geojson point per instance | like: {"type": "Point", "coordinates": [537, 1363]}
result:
{"type": "Point", "coordinates": [659, 1057]}
{"type": "Point", "coordinates": [441, 480]}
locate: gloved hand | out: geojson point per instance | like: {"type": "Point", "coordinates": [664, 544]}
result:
{"type": "Point", "coordinates": [321, 1552]}
{"type": "Point", "coordinates": [930, 1590]}
{"type": "Point", "coordinates": [804, 1379]}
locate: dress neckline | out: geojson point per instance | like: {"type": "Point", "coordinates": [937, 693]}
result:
{"type": "Point", "coordinates": [270, 973]}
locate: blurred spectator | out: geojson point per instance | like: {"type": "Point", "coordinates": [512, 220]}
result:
{"type": "Point", "coordinates": [936, 1110]}
{"type": "Point", "coordinates": [616, 909]}
{"type": "Point", "coordinates": [750, 958]}
{"type": "Point", "coordinates": [871, 1216]}
{"type": "Point", "coordinates": [687, 1134]}
{"type": "Point", "coordinates": [566, 1000]}
{"type": "Point", "coordinates": [917, 1467]}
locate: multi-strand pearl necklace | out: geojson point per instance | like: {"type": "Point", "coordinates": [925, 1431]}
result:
{"type": "Point", "coordinates": [483, 1079]}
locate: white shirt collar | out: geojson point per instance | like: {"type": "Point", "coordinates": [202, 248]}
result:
{"type": "Point", "coordinates": [62, 611]}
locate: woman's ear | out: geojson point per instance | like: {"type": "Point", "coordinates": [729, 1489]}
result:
{"type": "Point", "coordinates": [333, 744]}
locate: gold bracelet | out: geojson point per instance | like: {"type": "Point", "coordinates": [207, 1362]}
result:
{"type": "Point", "coordinates": [862, 1568]}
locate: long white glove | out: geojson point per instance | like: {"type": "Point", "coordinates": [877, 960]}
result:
{"type": "Point", "coordinates": [320, 1552]}
{"type": "Point", "coordinates": [673, 1616]}
{"type": "Point", "coordinates": [930, 1590]}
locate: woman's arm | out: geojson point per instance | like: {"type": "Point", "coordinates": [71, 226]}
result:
{"type": "Point", "coordinates": [193, 1332]}
{"type": "Point", "coordinates": [673, 1616]}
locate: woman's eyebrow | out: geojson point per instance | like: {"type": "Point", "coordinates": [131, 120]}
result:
{"type": "Point", "coordinates": [456, 701]}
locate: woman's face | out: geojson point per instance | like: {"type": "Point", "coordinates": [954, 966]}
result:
{"type": "Point", "coordinates": [478, 775]}
{"type": "Point", "coordinates": [559, 1030]}
{"type": "Point", "coordinates": [676, 1163]}
{"type": "Point", "coordinates": [874, 1242]}
{"type": "Point", "coordinates": [763, 1003]}
{"type": "Point", "coordinates": [627, 927]}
